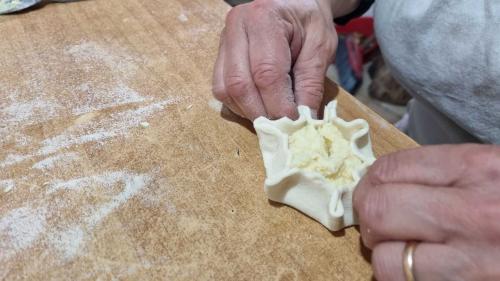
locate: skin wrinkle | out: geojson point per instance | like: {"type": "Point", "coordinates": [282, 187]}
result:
{"type": "Point", "coordinates": [296, 34]}
{"type": "Point", "coordinates": [432, 212]}
{"type": "Point", "coordinates": [462, 220]}
{"type": "Point", "coordinates": [270, 72]}
{"type": "Point", "coordinates": [287, 57]}
{"type": "Point", "coordinates": [266, 73]}
{"type": "Point", "coordinates": [238, 86]}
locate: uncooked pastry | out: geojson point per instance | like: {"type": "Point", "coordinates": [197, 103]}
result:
{"type": "Point", "coordinates": [314, 165]}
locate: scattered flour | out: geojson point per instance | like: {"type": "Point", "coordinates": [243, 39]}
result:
{"type": "Point", "coordinates": [25, 111]}
{"type": "Point", "coordinates": [144, 125]}
{"type": "Point", "coordinates": [79, 184]}
{"type": "Point", "coordinates": [21, 139]}
{"type": "Point", "coordinates": [50, 162]}
{"type": "Point", "coordinates": [133, 185]}
{"type": "Point", "coordinates": [98, 98]}
{"type": "Point", "coordinates": [19, 229]}
{"type": "Point", "coordinates": [197, 32]}
{"type": "Point", "coordinates": [71, 241]}
{"type": "Point", "coordinates": [7, 185]}
{"type": "Point", "coordinates": [26, 104]}
{"type": "Point", "coordinates": [171, 209]}
{"type": "Point", "coordinates": [91, 53]}
{"type": "Point", "coordinates": [182, 17]}
{"type": "Point", "coordinates": [13, 159]}
{"type": "Point", "coordinates": [215, 105]}
{"type": "Point", "coordinates": [68, 242]}
{"type": "Point", "coordinates": [113, 125]}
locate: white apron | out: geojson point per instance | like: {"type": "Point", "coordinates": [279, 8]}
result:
{"type": "Point", "coordinates": [446, 53]}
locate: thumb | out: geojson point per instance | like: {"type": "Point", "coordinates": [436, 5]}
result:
{"type": "Point", "coordinates": [311, 65]}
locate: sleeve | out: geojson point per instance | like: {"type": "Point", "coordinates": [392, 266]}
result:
{"type": "Point", "coordinates": [364, 5]}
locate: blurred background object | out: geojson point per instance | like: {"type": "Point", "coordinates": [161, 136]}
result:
{"type": "Point", "coordinates": [237, 2]}
{"type": "Point", "coordinates": [11, 6]}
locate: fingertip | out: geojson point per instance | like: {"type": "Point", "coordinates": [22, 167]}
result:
{"type": "Point", "coordinates": [294, 115]}
{"type": "Point", "coordinates": [289, 111]}
{"type": "Point", "coordinates": [314, 109]}
{"type": "Point", "coordinates": [310, 92]}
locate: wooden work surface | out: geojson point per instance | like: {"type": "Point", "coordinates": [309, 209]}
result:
{"type": "Point", "coordinates": [90, 191]}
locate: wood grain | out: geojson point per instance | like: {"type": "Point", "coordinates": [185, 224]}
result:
{"type": "Point", "coordinates": [96, 195]}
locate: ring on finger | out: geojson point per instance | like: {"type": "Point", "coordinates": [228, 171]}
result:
{"type": "Point", "coordinates": [409, 261]}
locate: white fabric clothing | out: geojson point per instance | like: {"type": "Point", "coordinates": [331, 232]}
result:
{"type": "Point", "coordinates": [446, 53]}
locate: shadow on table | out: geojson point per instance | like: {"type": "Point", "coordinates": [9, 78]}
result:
{"type": "Point", "coordinates": [339, 233]}
{"type": "Point", "coordinates": [228, 115]}
{"type": "Point", "coordinates": [363, 250]}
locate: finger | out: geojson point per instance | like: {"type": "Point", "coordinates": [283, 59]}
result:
{"type": "Point", "coordinates": [270, 62]}
{"type": "Point", "coordinates": [443, 165]}
{"type": "Point", "coordinates": [430, 262]}
{"type": "Point", "coordinates": [218, 85]}
{"type": "Point", "coordinates": [407, 212]}
{"type": "Point", "coordinates": [237, 77]}
{"type": "Point", "coordinates": [311, 66]}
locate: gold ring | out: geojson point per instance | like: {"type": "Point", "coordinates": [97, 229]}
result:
{"type": "Point", "coordinates": [408, 260]}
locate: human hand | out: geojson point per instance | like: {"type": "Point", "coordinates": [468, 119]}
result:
{"type": "Point", "coordinates": [446, 197]}
{"type": "Point", "coordinates": [267, 42]}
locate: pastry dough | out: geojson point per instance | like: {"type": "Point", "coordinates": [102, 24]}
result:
{"type": "Point", "coordinates": [314, 165]}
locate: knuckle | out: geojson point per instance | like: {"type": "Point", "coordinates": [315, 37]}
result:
{"type": "Point", "coordinates": [452, 219]}
{"type": "Point", "coordinates": [318, 58]}
{"type": "Point", "coordinates": [485, 159]}
{"type": "Point", "coordinates": [262, 8]}
{"type": "Point", "coordinates": [267, 73]}
{"type": "Point", "coordinates": [380, 172]}
{"type": "Point", "coordinates": [312, 88]}
{"type": "Point", "coordinates": [237, 86]}
{"type": "Point", "coordinates": [330, 45]}
{"type": "Point", "coordinates": [233, 15]}
{"type": "Point", "coordinates": [310, 68]}
{"type": "Point", "coordinates": [475, 154]}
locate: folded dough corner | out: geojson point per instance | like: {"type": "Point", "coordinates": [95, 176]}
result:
{"type": "Point", "coordinates": [314, 165]}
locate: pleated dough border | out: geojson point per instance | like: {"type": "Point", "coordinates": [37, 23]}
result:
{"type": "Point", "coordinates": [309, 191]}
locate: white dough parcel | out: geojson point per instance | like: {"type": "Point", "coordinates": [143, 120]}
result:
{"type": "Point", "coordinates": [314, 165]}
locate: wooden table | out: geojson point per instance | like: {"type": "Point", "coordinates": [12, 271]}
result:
{"type": "Point", "coordinates": [116, 163]}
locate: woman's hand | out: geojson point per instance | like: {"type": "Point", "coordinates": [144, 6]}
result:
{"type": "Point", "coordinates": [274, 55]}
{"type": "Point", "coordinates": [446, 197]}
